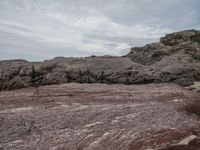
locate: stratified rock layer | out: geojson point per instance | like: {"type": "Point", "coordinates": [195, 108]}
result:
{"type": "Point", "coordinates": [100, 117]}
{"type": "Point", "coordinates": [176, 58]}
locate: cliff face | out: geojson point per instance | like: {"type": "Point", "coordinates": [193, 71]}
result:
{"type": "Point", "coordinates": [176, 58]}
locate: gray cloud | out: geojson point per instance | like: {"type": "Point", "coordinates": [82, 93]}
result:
{"type": "Point", "coordinates": [41, 29]}
{"type": "Point", "coordinates": [165, 13]}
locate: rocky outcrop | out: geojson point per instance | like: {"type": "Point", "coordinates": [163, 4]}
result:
{"type": "Point", "coordinates": [181, 37]}
{"type": "Point", "coordinates": [176, 58]}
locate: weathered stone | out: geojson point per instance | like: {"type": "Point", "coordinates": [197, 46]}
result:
{"type": "Point", "coordinates": [99, 117]}
{"type": "Point", "coordinates": [176, 58]}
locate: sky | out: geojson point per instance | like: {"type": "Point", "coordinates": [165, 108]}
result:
{"type": "Point", "coordinates": [43, 29]}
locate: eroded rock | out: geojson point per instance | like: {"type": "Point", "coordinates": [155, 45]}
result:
{"type": "Point", "coordinates": [99, 116]}
{"type": "Point", "coordinates": [176, 58]}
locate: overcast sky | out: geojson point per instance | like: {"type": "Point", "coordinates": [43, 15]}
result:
{"type": "Point", "coordinates": [43, 29]}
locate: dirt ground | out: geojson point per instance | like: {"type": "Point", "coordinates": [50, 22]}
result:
{"type": "Point", "coordinates": [99, 117]}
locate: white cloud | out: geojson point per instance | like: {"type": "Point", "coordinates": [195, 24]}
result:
{"type": "Point", "coordinates": [95, 26]}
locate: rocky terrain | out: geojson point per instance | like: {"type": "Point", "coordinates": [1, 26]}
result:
{"type": "Point", "coordinates": [100, 117]}
{"type": "Point", "coordinates": [176, 58]}
{"type": "Point", "coordinates": [48, 108]}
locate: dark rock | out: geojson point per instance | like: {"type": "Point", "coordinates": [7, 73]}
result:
{"type": "Point", "coordinates": [181, 37]}
{"type": "Point", "coordinates": [176, 58]}
{"type": "Point", "coordinates": [147, 54]}
{"type": "Point", "coordinates": [196, 38]}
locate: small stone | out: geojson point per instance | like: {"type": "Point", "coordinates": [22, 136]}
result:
{"type": "Point", "coordinates": [187, 140]}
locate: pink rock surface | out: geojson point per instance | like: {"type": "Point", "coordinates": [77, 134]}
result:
{"type": "Point", "coordinates": [98, 117]}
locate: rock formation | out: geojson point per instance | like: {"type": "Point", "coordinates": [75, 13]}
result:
{"type": "Point", "coordinates": [100, 117]}
{"type": "Point", "coordinates": [176, 58]}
